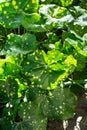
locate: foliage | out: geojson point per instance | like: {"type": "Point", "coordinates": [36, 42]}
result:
{"type": "Point", "coordinates": [43, 55]}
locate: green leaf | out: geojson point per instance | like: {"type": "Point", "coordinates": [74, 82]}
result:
{"type": "Point", "coordinates": [47, 10]}
{"type": "Point", "coordinates": [79, 10]}
{"type": "Point", "coordinates": [16, 44]}
{"type": "Point", "coordinates": [31, 112]}
{"type": "Point", "coordinates": [82, 20]}
{"type": "Point", "coordinates": [79, 27]}
{"type": "Point", "coordinates": [66, 2]}
{"type": "Point", "coordinates": [78, 51]}
{"type": "Point", "coordinates": [47, 70]}
{"type": "Point", "coordinates": [3, 92]}
{"type": "Point", "coordinates": [40, 74]}
{"type": "Point", "coordinates": [29, 6]}
{"type": "Point", "coordinates": [29, 20]}
{"type": "Point", "coordinates": [6, 123]}
{"type": "Point", "coordinates": [9, 66]}
{"type": "Point", "coordinates": [24, 125]}
{"type": "Point", "coordinates": [60, 12]}
{"type": "Point", "coordinates": [35, 27]}
{"type": "Point", "coordinates": [52, 10]}
{"type": "Point", "coordinates": [9, 87]}
{"type": "Point", "coordinates": [53, 17]}
{"type": "Point", "coordinates": [11, 14]}
{"type": "Point", "coordinates": [57, 107]}
{"type": "Point", "coordinates": [83, 2]}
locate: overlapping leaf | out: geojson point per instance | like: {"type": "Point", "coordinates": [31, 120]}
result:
{"type": "Point", "coordinates": [58, 107]}
{"type": "Point", "coordinates": [9, 87]}
{"type": "Point", "coordinates": [11, 12]}
{"type": "Point", "coordinates": [31, 112]}
{"type": "Point", "coordinates": [47, 69]}
{"type": "Point", "coordinates": [16, 44]}
{"type": "Point", "coordinates": [9, 66]}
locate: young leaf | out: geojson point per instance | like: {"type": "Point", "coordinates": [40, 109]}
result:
{"type": "Point", "coordinates": [66, 2]}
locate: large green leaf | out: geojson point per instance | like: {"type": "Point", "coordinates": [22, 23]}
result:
{"type": "Point", "coordinates": [52, 16]}
{"type": "Point", "coordinates": [49, 69]}
{"type": "Point", "coordinates": [20, 44]}
{"type": "Point", "coordinates": [9, 15]}
{"type": "Point", "coordinates": [55, 16]}
{"type": "Point", "coordinates": [12, 11]}
{"type": "Point", "coordinates": [31, 112]}
{"type": "Point", "coordinates": [60, 104]}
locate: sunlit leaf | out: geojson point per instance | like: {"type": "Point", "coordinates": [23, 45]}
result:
{"type": "Point", "coordinates": [9, 66]}
{"type": "Point", "coordinates": [23, 44]}
{"type": "Point", "coordinates": [48, 69]}
{"type": "Point", "coordinates": [60, 12]}
{"type": "Point", "coordinates": [30, 19]}
{"type": "Point", "coordinates": [66, 2]}
{"type": "Point", "coordinates": [43, 59]}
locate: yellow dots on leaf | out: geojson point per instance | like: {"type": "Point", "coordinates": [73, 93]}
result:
{"type": "Point", "coordinates": [13, 2]}
{"type": "Point", "coordinates": [33, 1]}
{"type": "Point", "coordinates": [7, 17]}
{"type": "Point", "coordinates": [40, 86]}
{"type": "Point", "coordinates": [28, 63]}
{"type": "Point", "coordinates": [2, 5]}
{"type": "Point", "coordinates": [11, 94]}
{"type": "Point", "coordinates": [28, 6]}
{"type": "Point", "coordinates": [0, 8]}
{"type": "Point", "coordinates": [5, 12]}
{"type": "Point", "coordinates": [39, 80]}
{"type": "Point", "coordinates": [19, 3]}
{"type": "Point", "coordinates": [9, 24]}
{"type": "Point", "coordinates": [32, 82]}
{"type": "Point", "coordinates": [16, 7]}
{"type": "Point", "coordinates": [36, 58]}
{"type": "Point", "coordinates": [7, 4]}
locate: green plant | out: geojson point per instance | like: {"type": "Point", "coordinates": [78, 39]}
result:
{"type": "Point", "coordinates": [44, 51]}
